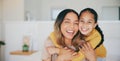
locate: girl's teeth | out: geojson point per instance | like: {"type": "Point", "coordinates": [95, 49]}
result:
{"type": "Point", "coordinates": [84, 29]}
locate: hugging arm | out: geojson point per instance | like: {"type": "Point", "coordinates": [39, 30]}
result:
{"type": "Point", "coordinates": [89, 52]}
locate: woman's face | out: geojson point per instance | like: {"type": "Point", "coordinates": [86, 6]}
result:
{"type": "Point", "coordinates": [86, 23]}
{"type": "Point", "coordinates": [69, 26]}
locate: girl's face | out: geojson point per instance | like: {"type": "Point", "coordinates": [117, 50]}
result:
{"type": "Point", "coordinates": [86, 23]}
{"type": "Point", "coordinates": [69, 26]}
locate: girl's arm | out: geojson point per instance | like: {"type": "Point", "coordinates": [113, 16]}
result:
{"type": "Point", "coordinates": [89, 52]}
{"type": "Point", "coordinates": [94, 39]}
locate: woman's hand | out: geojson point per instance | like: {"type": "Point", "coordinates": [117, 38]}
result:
{"type": "Point", "coordinates": [88, 51]}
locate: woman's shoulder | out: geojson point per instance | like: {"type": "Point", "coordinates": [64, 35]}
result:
{"type": "Point", "coordinates": [48, 42]}
{"type": "Point", "coordinates": [51, 40]}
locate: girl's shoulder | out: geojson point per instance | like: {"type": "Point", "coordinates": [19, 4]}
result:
{"type": "Point", "coordinates": [94, 34]}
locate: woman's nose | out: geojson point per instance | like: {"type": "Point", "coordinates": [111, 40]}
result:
{"type": "Point", "coordinates": [72, 25]}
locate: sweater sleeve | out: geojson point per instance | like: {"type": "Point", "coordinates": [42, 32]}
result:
{"type": "Point", "coordinates": [95, 41]}
{"type": "Point", "coordinates": [45, 54]}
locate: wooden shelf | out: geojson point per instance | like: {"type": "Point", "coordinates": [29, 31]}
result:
{"type": "Point", "coordinates": [22, 53]}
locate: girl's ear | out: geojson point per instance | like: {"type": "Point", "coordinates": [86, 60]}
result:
{"type": "Point", "coordinates": [95, 25]}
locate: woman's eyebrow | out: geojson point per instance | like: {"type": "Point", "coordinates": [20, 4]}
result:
{"type": "Point", "coordinates": [66, 19]}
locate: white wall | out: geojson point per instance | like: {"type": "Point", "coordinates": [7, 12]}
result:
{"type": "Point", "coordinates": [39, 30]}
{"type": "Point", "coordinates": [1, 33]}
{"type": "Point", "coordinates": [16, 30]}
{"type": "Point", "coordinates": [110, 13]}
{"type": "Point", "coordinates": [43, 7]}
{"type": "Point", "coordinates": [13, 10]}
{"type": "Point", "coordinates": [111, 31]}
{"type": "Point", "coordinates": [0, 19]}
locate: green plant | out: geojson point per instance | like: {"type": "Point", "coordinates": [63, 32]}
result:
{"type": "Point", "coordinates": [2, 43]}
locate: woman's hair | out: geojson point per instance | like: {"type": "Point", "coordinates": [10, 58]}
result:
{"type": "Point", "coordinates": [92, 11]}
{"type": "Point", "coordinates": [57, 26]}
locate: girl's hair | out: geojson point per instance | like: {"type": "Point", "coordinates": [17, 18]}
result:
{"type": "Point", "coordinates": [92, 11]}
{"type": "Point", "coordinates": [57, 26]}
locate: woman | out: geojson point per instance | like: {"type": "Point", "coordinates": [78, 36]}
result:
{"type": "Point", "coordinates": [62, 40]}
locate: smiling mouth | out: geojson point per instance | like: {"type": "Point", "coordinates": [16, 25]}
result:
{"type": "Point", "coordinates": [70, 32]}
{"type": "Point", "coordinates": [84, 29]}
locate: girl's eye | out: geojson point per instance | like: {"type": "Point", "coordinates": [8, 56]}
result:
{"type": "Point", "coordinates": [89, 22]}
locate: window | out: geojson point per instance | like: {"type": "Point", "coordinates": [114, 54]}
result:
{"type": "Point", "coordinates": [54, 13]}
{"type": "Point", "coordinates": [111, 13]}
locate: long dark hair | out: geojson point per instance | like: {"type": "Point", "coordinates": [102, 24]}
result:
{"type": "Point", "coordinates": [96, 20]}
{"type": "Point", "coordinates": [57, 26]}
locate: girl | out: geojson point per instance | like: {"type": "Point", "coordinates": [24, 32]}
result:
{"type": "Point", "coordinates": [89, 28]}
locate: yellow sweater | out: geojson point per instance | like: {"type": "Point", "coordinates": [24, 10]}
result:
{"type": "Point", "coordinates": [93, 39]}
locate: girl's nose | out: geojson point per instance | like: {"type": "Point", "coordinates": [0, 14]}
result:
{"type": "Point", "coordinates": [84, 25]}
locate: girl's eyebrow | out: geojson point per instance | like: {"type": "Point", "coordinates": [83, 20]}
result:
{"type": "Point", "coordinates": [91, 20]}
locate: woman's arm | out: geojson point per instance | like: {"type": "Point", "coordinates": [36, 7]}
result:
{"type": "Point", "coordinates": [46, 56]}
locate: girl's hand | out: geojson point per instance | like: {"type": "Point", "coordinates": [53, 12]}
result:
{"type": "Point", "coordinates": [88, 51]}
{"type": "Point", "coordinates": [51, 50]}
{"type": "Point", "coordinates": [66, 54]}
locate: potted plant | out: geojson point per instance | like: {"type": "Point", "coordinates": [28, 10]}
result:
{"type": "Point", "coordinates": [2, 43]}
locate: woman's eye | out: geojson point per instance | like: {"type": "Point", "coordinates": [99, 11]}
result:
{"type": "Point", "coordinates": [89, 22]}
{"type": "Point", "coordinates": [66, 22]}
{"type": "Point", "coordinates": [76, 23]}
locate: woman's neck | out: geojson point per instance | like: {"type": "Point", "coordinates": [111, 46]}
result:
{"type": "Point", "coordinates": [68, 42]}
